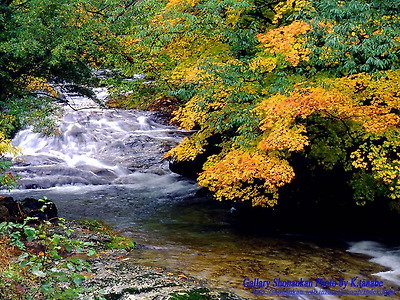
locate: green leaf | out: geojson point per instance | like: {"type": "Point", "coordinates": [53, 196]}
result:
{"type": "Point", "coordinates": [78, 279]}
{"type": "Point", "coordinates": [92, 252]}
{"type": "Point", "coordinates": [36, 271]}
{"type": "Point", "coordinates": [47, 289]}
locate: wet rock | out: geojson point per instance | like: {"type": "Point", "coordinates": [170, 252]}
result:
{"type": "Point", "coordinates": [9, 210]}
{"type": "Point", "coordinates": [13, 211]}
{"type": "Point", "coordinates": [116, 275]}
{"type": "Point", "coordinates": [189, 169]}
{"type": "Point", "coordinates": [44, 210]}
{"type": "Point", "coordinates": [192, 168]}
{"type": "Point", "coordinates": [126, 280]}
{"type": "Point", "coordinates": [4, 214]}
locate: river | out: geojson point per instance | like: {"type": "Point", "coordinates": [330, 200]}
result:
{"type": "Point", "coordinates": [108, 164]}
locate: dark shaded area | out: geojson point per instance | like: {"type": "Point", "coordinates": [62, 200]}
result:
{"type": "Point", "coordinates": [14, 211]}
{"type": "Point", "coordinates": [191, 169]}
{"type": "Point", "coordinates": [317, 201]}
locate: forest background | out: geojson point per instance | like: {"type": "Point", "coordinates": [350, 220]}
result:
{"type": "Point", "coordinates": [285, 98]}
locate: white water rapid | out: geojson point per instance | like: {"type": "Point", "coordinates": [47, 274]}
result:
{"type": "Point", "coordinates": [388, 257]}
{"type": "Point", "coordinates": [95, 147]}
{"type": "Point", "coordinates": [95, 156]}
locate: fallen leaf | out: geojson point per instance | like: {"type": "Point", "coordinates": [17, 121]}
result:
{"type": "Point", "coordinates": [11, 176]}
{"type": "Point", "coordinates": [124, 259]}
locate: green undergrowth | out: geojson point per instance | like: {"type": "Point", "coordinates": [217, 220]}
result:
{"type": "Point", "coordinates": [147, 97]}
{"type": "Point", "coordinates": [117, 241]}
{"type": "Point", "coordinates": [39, 261]}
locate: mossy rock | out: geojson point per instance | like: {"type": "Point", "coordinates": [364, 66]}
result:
{"type": "Point", "coordinates": [117, 241]}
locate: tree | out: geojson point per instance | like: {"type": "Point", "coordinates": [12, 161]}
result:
{"type": "Point", "coordinates": [320, 82]}
{"type": "Point", "coordinates": [44, 41]}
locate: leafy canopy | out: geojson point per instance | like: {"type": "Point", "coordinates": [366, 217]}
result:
{"type": "Point", "coordinates": [51, 41]}
{"type": "Point", "coordinates": [269, 80]}
{"type": "Point", "coordinates": [265, 82]}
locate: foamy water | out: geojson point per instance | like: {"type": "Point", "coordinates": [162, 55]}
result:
{"type": "Point", "coordinates": [388, 257]}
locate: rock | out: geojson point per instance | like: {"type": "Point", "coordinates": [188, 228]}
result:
{"type": "Point", "coordinates": [4, 214]}
{"type": "Point", "coordinates": [189, 169]}
{"type": "Point", "coordinates": [192, 168]}
{"type": "Point", "coordinates": [117, 275]}
{"type": "Point", "coordinates": [44, 210]}
{"type": "Point", "coordinates": [9, 210]}
{"type": "Point", "coordinates": [13, 211]}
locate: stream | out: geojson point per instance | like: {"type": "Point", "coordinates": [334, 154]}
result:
{"type": "Point", "coordinates": [108, 164]}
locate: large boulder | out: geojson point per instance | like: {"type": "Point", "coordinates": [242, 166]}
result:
{"type": "Point", "coordinates": [14, 211]}
{"type": "Point", "coordinates": [42, 209]}
{"type": "Point", "coordinates": [9, 210]}
{"type": "Point", "coordinates": [191, 169]}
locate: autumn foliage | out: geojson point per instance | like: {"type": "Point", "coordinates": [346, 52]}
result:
{"type": "Point", "coordinates": [270, 80]}
{"type": "Point", "coordinates": [266, 82]}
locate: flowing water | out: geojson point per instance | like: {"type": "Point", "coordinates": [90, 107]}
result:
{"type": "Point", "coordinates": [108, 165]}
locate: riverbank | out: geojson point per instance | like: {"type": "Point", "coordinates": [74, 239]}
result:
{"type": "Point", "coordinates": [116, 276]}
